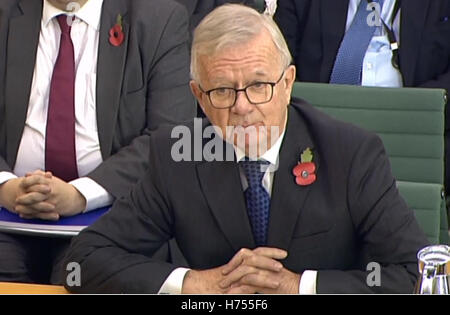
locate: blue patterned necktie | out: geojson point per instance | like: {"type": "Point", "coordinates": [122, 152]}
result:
{"type": "Point", "coordinates": [349, 60]}
{"type": "Point", "coordinates": [258, 200]}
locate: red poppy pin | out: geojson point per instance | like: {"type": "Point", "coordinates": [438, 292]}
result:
{"type": "Point", "coordinates": [116, 35]}
{"type": "Point", "coordinates": [304, 170]}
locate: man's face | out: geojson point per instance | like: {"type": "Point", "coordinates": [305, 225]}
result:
{"type": "Point", "coordinates": [237, 67]}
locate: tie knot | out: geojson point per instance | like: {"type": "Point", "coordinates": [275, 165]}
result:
{"type": "Point", "coordinates": [254, 170]}
{"type": "Point", "coordinates": [63, 24]}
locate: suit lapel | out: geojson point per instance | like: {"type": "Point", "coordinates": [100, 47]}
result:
{"type": "Point", "coordinates": [334, 17]}
{"type": "Point", "coordinates": [222, 187]}
{"type": "Point", "coordinates": [110, 71]}
{"type": "Point", "coordinates": [24, 29]}
{"type": "Point", "coordinates": [413, 17]}
{"type": "Point", "coordinates": [288, 197]}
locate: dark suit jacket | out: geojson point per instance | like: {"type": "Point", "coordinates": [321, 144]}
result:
{"type": "Point", "coordinates": [140, 85]}
{"type": "Point", "coordinates": [198, 9]}
{"type": "Point", "coordinates": [314, 31]}
{"type": "Point", "coordinates": [350, 216]}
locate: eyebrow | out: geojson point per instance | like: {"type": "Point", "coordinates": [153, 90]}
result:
{"type": "Point", "coordinates": [224, 82]}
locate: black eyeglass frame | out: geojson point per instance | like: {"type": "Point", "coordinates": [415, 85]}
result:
{"type": "Point", "coordinates": [236, 91]}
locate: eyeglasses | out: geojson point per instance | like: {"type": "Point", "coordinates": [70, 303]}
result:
{"type": "Point", "coordinates": [256, 93]}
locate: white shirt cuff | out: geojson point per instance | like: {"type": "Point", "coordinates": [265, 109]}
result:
{"type": "Point", "coordinates": [6, 176]}
{"type": "Point", "coordinates": [174, 282]}
{"type": "Point", "coordinates": [96, 196]}
{"type": "Point", "coordinates": [308, 282]}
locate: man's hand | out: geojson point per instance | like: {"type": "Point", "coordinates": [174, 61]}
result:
{"type": "Point", "coordinates": [249, 271]}
{"type": "Point", "coordinates": [36, 187]}
{"type": "Point", "coordinates": [65, 199]}
{"type": "Point", "coordinates": [258, 271]}
{"type": "Point", "coordinates": [288, 283]}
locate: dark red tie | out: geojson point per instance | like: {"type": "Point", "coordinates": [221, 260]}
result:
{"type": "Point", "coordinates": [60, 156]}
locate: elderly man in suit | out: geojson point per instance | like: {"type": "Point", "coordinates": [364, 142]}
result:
{"type": "Point", "coordinates": [82, 84]}
{"type": "Point", "coordinates": [308, 213]}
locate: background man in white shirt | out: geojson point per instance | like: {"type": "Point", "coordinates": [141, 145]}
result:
{"type": "Point", "coordinates": [130, 70]}
{"type": "Point", "coordinates": [315, 29]}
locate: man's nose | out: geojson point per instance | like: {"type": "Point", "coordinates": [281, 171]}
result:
{"type": "Point", "coordinates": [242, 106]}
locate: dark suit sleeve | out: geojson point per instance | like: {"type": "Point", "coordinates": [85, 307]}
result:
{"type": "Point", "coordinates": [126, 250]}
{"type": "Point", "coordinates": [389, 233]}
{"type": "Point", "coordinates": [441, 82]}
{"type": "Point", "coordinates": [434, 47]}
{"type": "Point", "coordinates": [3, 30]}
{"type": "Point", "coordinates": [291, 19]}
{"type": "Point", "coordinates": [168, 100]}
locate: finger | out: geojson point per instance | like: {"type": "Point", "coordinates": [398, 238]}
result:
{"type": "Point", "coordinates": [271, 252]}
{"type": "Point", "coordinates": [36, 172]}
{"type": "Point", "coordinates": [263, 263]}
{"type": "Point", "coordinates": [50, 216]}
{"type": "Point", "coordinates": [236, 275]}
{"type": "Point", "coordinates": [237, 260]}
{"type": "Point", "coordinates": [260, 280]}
{"type": "Point", "coordinates": [39, 173]}
{"type": "Point", "coordinates": [31, 198]}
{"type": "Point", "coordinates": [40, 207]}
{"type": "Point", "coordinates": [33, 180]}
{"type": "Point", "coordinates": [39, 188]}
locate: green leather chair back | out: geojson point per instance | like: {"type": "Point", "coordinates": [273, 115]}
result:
{"type": "Point", "coordinates": [425, 200]}
{"type": "Point", "coordinates": [410, 122]}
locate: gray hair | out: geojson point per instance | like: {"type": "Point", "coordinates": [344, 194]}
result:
{"type": "Point", "coordinates": [230, 25]}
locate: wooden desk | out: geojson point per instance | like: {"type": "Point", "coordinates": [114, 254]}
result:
{"type": "Point", "coordinates": [24, 288]}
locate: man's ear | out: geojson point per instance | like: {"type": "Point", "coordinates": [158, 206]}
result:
{"type": "Point", "coordinates": [289, 77]}
{"type": "Point", "coordinates": [288, 81]}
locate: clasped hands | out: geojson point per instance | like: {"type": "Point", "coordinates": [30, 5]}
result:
{"type": "Point", "coordinates": [248, 272]}
{"type": "Point", "coordinates": [41, 195]}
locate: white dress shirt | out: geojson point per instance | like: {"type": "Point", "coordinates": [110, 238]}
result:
{"type": "Point", "coordinates": [31, 154]}
{"type": "Point", "coordinates": [174, 283]}
{"type": "Point", "coordinates": [377, 66]}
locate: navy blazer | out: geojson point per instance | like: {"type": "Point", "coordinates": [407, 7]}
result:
{"type": "Point", "coordinates": [350, 216]}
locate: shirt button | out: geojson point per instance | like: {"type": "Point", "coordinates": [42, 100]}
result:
{"type": "Point", "coordinates": [369, 66]}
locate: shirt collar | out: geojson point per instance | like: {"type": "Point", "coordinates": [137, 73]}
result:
{"type": "Point", "coordinates": [270, 155]}
{"type": "Point", "coordinates": [90, 13]}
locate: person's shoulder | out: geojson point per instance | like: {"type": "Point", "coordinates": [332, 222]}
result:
{"type": "Point", "coordinates": [155, 14]}
{"type": "Point", "coordinates": [155, 7]}
{"type": "Point", "coordinates": [182, 141]}
{"type": "Point", "coordinates": [169, 133]}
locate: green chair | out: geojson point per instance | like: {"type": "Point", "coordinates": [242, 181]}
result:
{"type": "Point", "coordinates": [410, 122]}
{"type": "Point", "coordinates": [425, 200]}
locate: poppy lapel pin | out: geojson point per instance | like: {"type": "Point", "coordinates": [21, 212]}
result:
{"type": "Point", "coordinates": [116, 35]}
{"type": "Point", "coordinates": [304, 170]}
